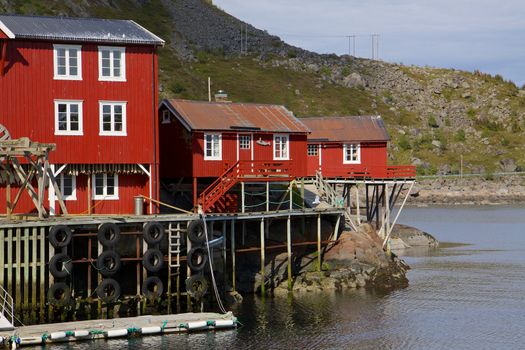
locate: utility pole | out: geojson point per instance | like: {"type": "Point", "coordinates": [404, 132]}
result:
{"type": "Point", "coordinates": [375, 46]}
{"type": "Point", "coordinates": [351, 44]}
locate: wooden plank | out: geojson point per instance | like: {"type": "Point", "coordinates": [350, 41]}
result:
{"type": "Point", "coordinates": [26, 265]}
{"type": "Point", "coordinates": [18, 276]}
{"type": "Point", "coordinates": [42, 274]}
{"type": "Point", "coordinates": [2, 257]}
{"type": "Point", "coordinates": [34, 265]}
{"type": "Point", "coordinates": [10, 261]}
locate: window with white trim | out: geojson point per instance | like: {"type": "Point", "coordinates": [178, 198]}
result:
{"type": "Point", "coordinates": [68, 117]}
{"type": "Point", "coordinates": [112, 118]}
{"type": "Point", "coordinates": [212, 147]}
{"type": "Point", "coordinates": [281, 147]}
{"type": "Point", "coordinates": [67, 62]}
{"type": "Point", "coordinates": [68, 186]}
{"type": "Point", "coordinates": [105, 186]}
{"type": "Point", "coordinates": [245, 141]}
{"type": "Point", "coordinates": [166, 117]}
{"type": "Point", "coordinates": [313, 150]}
{"type": "Point", "coordinates": [352, 153]}
{"type": "Point", "coordinates": [111, 63]}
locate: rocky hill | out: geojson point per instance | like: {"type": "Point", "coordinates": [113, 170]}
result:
{"type": "Point", "coordinates": [435, 116]}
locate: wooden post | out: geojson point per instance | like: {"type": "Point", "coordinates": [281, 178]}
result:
{"type": "Point", "coordinates": [267, 196]}
{"type": "Point", "coordinates": [224, 254]}
{"type": "Point", "coordinates": [302, 192]}
{"type": "Point", "coordinates": [387, 215]}
{"type": "Point", "coordinates": [42, 274]}
{"type": "Point", "coordinates": [232, 249]}
{"type": "Point", "coordinates": [291, 194]}
{"type": "Point", "coordinates": [10, 261]}
{"type": "Point", "coordinates": [263, 277]}
{"type": "Point", "coordinates": [26, 265]}
{"type": "Point", "coordinates": [336, 229]}
{"type": "Point", "coordinates": [319, 243]}
{"type": "Point", "coordinates": [90, 209]}
{"type": "Point", "coordinates": [195, 189]}
{"type": "Point", "coordinates": [2, 260]}
{"type": "Point", "coordinates": [8, 185]}
{"type": "Point", "coordinates": [243, 203]}
{"type": "Point", "coordinates": [358, 204]}
{"type": "Point", "coordinates": [289, 250]}
{"type": "Point", "coordinates": [89, 267]}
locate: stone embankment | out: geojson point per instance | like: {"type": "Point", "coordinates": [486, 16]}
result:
{"type": "Point", "coordinates": [469, 191]}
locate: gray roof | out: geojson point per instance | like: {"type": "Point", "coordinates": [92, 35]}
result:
{"type": "Point", "coordinates": [77, 29]}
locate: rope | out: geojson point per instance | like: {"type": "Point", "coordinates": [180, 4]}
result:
{"type": "Point", "coordinates": [163, 326]}
{"type": "Point", "coordinates": [215, 289]}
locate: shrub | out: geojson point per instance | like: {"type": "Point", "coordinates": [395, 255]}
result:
{"type": "Point", "coordinates": [404, 143]}
{"type": "Point", "coordinates": [432, 122]}
{"type": "Point", "coordinates": [345, 72]}
{"type": "Point", "coordinates": [460, 135]}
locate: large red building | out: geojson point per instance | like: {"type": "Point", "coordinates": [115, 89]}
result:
{"type": "Point", "coordinates": [350, 147]}
{"type": "Point", "coordinates": [201, 140]}
{"type": "Point", "coordinates": [90, 87]}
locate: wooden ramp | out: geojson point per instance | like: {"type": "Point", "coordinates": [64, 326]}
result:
{"type": "Point", "coordinates": [118, 327]}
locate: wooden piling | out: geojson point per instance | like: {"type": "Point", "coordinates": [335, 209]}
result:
{"type": "Point", "coordinates": [319, 243]}
{"type": "Point", "coordinates": [289, 250]}
{"type": "Point", "coordinates": [26, 266]}
{"type": "Point", "coordinates": [263, 278]}
{"type": "Point", "coordinates": [232, 249]}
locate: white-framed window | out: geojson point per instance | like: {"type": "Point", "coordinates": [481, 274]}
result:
{"type": "Point", "coordinates": [68, 117]}
{"type": "Point", "coordinates": [105, 186]}
{"type": "Point", "coordinates": [166, 117]}
{"type": "Point", "coordinates": [281, 147]}
{"type": "Point", "coordinates": [245, 141]}
{"type": "Point", "coordinates": [313, 150]}
{"type": "Point", "coordinates": [111, 63]}
{"type": "Point", "coordinates": [112, 118]}
{"type": "Point", "coordinates": [352, 153]}
{"type": "Point", "coordinates": [68, 186]}
{"type": "Point", "coordinates": [212, 147]}
{"type": "Point", "coordinates": [67, 62]}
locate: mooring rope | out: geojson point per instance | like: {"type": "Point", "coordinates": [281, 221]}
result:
{"type": "Point", "coordinates": [215, 289]}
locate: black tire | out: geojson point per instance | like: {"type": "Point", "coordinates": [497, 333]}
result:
{"type": "Point", "coordinates": [60, 236]}
{"type": "Point", "coordinates": [153, 260]}
{"type": "Point", "coordinates": [153, 232]}
{"type": "Point", "coordinates": [108, 290]}
{"type": "Point", "coordinates": [108, 263]}
{"type": "Point", "coordinates": [108, 234]}
{"type": "Point", "coordinates": [152, 288]}
{"type": "Point", "coordinates": [60, 265]}
{"type": "Point", "coordinates": [196, 286]}
{"type": "Point", "coordinates": [197, 258]}
{"type": "Point", "coordinates": [196, 232]}
{"type": "Point", "coordinates": [59, 294]}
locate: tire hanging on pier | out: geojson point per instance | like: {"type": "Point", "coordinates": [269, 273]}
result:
{"type": "Point", "coordinates": [59, 294]}
{"type": "Point", "coordinates": [196, 232]}
{"type": "Point", "coordinates": [196, 286]}
{"type": "Point", "coordinates": [153, 260]}
{"type": "Point", "coordinates": [108, 290]}
{"type": "Point", "coordinates": [153, 232]}
{"type": "Point", "coordinates": [152, 287]}
{"type": "Point", "coordinates": [59, 236]}
{"type": "Point", "coordinates": [60, 265]}
{"type": "Point", "coordinates": [197, 258]}
{"type": "Point", "coordinates": [108, 263]}
{"type": "Point", "coordinates": [108, 234]}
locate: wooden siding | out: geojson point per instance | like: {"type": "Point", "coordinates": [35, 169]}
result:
{"type": "Point", "coordinates": [28, 91]}
{"type": "Point", "coordinates": [331, 154]}
{"type": "Point", "coordinates": [129, 187]}
{"type": "Point", "coordinates": [175, 149]}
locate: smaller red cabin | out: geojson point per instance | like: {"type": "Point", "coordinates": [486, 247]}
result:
{"type": "Point", "coordinates": [351, 147]}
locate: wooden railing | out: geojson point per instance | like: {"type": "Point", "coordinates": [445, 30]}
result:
{"type": "Point", "coordinates": [244, 170]}
{"type": "Point", "coordinates": [375, 172]}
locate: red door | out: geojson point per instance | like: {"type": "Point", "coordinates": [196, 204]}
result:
{"type": "Point", "coordinates": [245, 147]}
{"type": "Point", "coordinates": [314, 162]}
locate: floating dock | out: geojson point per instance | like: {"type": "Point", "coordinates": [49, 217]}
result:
{"type": "Point", "coordinates": [116, 328]}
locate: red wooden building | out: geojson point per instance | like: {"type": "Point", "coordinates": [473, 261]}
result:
{"type": "Point", "coordinates": [346, 147]}
{"type": "Point", "coordinates": [89, 86]}
{"type": "Point", "coordinates": [208, 141]}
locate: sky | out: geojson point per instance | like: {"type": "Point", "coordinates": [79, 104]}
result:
{"type": "Point", "coordinates": [488, 35]}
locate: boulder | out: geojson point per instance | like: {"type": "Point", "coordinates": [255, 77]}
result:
{"type": "Point", "coordinates": [508, 165]}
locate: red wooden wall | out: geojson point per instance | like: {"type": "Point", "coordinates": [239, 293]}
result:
{"type": "Point", "coordinates": [373, 155]}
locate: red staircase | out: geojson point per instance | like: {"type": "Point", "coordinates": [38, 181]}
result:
{"type": "Point", "coordinates": [252, 171]}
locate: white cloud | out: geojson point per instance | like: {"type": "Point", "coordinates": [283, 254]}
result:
{"type": "Point", "coordinates": [466, 34]}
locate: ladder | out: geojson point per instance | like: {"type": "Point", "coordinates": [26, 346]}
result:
{"type": "Point", "coordinates": [174, 237]}
{"type": "Point", "coordinates": [7, 316]}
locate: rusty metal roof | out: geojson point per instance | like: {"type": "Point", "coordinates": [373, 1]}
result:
{"type": "Point", "coordinates": [345, 129]}
{"type": "Point", "coordinates": [203, 115]}
{"type": "Point", "coordinates": [77, 29]}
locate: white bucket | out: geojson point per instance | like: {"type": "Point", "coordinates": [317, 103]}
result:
{"type": "Point", "coordinates": [193, 326]}
{"type": "Point", "coordinates": [224, 324]}
{"type": "Point", "coordinates": [117, 333]}
{"type": "Point", "coordinates": [150, 330]}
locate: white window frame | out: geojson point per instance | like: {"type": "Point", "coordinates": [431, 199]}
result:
{"type": "Point", "coordinates": [67, 76]}
{"type": "Point", "coordinates": [112, 132]}
{"type": "Point", "coordinates": [358, 152]}
{"type": "Point", "coordinates": [105, 196]}
{"type": "Point", "coordinates": [314, 147]}
{"type": "Point", "coordinates": [166, 117]}
{"type": "Point", "coordinates": [111, 50]}
{"type": "Point", "coordinates": [219, 157]}
{"type": "Point", "coordinates": [247, 137]}
{"type": "Point", "coordinates": [287, 138]}
{"type": "Point", "coordinates": [70, 132]}
{"type": "Point", "coordinates": [60, 182]}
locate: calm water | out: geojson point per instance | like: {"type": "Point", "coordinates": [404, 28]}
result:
{"type": "Point", "coordinates": [467, 297]}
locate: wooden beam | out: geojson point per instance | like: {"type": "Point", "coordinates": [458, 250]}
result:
{"type": "Point", "coordinates": [58, 194]}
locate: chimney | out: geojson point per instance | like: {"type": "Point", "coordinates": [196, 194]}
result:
{"type": "Point", "coordinates": [221, 96]}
